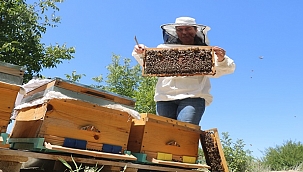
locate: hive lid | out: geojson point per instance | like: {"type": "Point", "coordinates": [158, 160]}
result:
{"type": "Point", "coordinates": [78, 91]}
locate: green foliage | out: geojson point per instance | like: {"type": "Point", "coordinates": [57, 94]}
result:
{"type": "Point", "coordinates": [21, 28]}
{"type": "Point", "coordinates": [237, 158]}
{"type": "Point", "coordinates": [125, 80]}
{"type": "Point", "coordinates": [93, 169]}
{"type": "Point", "coordinates": [79, 168]}
{"type": "Point", "coordinates": [285, 157]}
{"type": "Point", "coordinates": [145, 95]}
{"type": "Point", "coordinates": [257, 165]}
{"type": "Point", "coordinates": [74, 77]}
{"type": "Point", "coordinates": [201, 157]}
{"type": "Point", "coordinates": [122, 79]}
{"type": "Point", "coordinates": [99, 80]}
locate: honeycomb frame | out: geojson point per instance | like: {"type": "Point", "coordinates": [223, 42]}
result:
{"type": "Point", "coordinates": [181, 61]}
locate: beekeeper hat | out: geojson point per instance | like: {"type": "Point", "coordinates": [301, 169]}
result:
{"type": "Point", "coordinates": [169, 30]}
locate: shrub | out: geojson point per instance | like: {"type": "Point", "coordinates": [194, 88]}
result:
{"type": "Point", "coordinates": [238, 159]}
{"type": "Point", "coordinates": [285, 157]}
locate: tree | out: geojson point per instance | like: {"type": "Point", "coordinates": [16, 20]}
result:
{"type": "Point", "coordinates": [99, 80]}
{"type": "Point", "coordinates": [127, 80]}
{"type": "Point", "coordinates": [145, 95]}
{"type": "Point", "coordinates": [285, 157]}
{"type": "Point", "coordinates": [74, 77]}
{"type": "Point", "coordinates": [21, 29]}
{"type": "Point", "coordinates": [122, 79]}
{"type": "Point", "coordinates": [238, 159]}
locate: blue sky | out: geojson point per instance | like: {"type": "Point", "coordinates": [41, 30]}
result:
{"type": "Point", "coordinates": [260, 103]}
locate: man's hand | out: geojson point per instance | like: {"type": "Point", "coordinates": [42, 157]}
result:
{"type": "Point", "coordinates": [220, 52]}
{"type": "Point", "coordinates": [139, 49]}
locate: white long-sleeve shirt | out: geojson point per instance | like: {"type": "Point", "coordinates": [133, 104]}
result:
{"type": "Point", "coordinates": [181, 87]}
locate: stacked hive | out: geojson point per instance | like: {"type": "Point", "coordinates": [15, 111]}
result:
{"type": "Point", "coordinates": [66, 116]}
{"type": "Point", "coordinates": [11, 77]}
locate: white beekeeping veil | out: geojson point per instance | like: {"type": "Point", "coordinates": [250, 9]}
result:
{"type": "Point", "coordinates": [170, 35]}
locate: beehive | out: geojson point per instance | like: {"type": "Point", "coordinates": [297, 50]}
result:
{"type": "Point", "coordinates": [182, 61]}
{"type": "Point", "coordinates": [72, 115]}
{"type": "Point", "coordinates": [163, 138]}
{"type": "Point", "coordinates": [11, 77]}
{"type": "Point", "coordinates": [71, 123]}
{"type": "Point", "coordinates": [7, 102]}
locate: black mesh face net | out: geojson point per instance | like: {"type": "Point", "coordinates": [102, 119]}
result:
{"type": "Point", "coordinates": [170, 36]}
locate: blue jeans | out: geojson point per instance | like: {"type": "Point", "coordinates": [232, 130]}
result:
{"type": "Point", "coordinates": [185, 110]}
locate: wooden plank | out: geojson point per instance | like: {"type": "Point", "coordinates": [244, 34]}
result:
{"type": "Point", "coordinates": [26, 129]}
{"type": "Point", "coordinates": [55, 140]}
{"type": "Point", "coordinates": [13, 158]}
{"type": "Point", "coordinates": [5, 116]}
{"type": "Point", "coordinates": [83, 104]}
{"type": "Point", "coordinates": [155, 118]}
{"type": "Point", "coordinates": [178, 164]}
{"type": "Point", "coordinates": [118, 169]}
{"type": "Point", "coordinates": [4, 85]}
{"type": "Point", "coordinates": [32, 113]}
{"type": "Point", "coordinates": [224, 163]}
{"type": "Point", "coordinates": [41, 88]}
{"type": "Point", "coordinates": [4, 121]}
{"type": "Point", "coordinates": [153, 155]}
{"type": "Point", "coordinates": [4, 145]}
{"type": "Point", "coordinates": [12, 71]}
{"type": "Point", "coordinates": [91, 153]}
{"type": "Point", "coordinates": [135, 138]}
{"type": "Point", "coordinates": [88, 160]}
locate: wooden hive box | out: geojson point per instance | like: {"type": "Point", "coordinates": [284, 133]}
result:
{"type": "Point", "coordinates": [7, 102]}
{"type": "Point", "coordinates": [8, 96]}
{"type": "Point", "coordinates": [73, 124]}
{"type": "Point", "coordinates": [10, 73]}
{"type": "Point", "coordinates": [11, 76]}
{"type": "Point", "coordinates": [80, 92]}
{"type": "Point", "coordinates": [161, 138]}
{"type": "Point", "coordinates": [181, 61]}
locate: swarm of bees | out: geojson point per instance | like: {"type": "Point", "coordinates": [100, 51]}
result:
{"type": "Point", "coordinates": [178, 62]}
